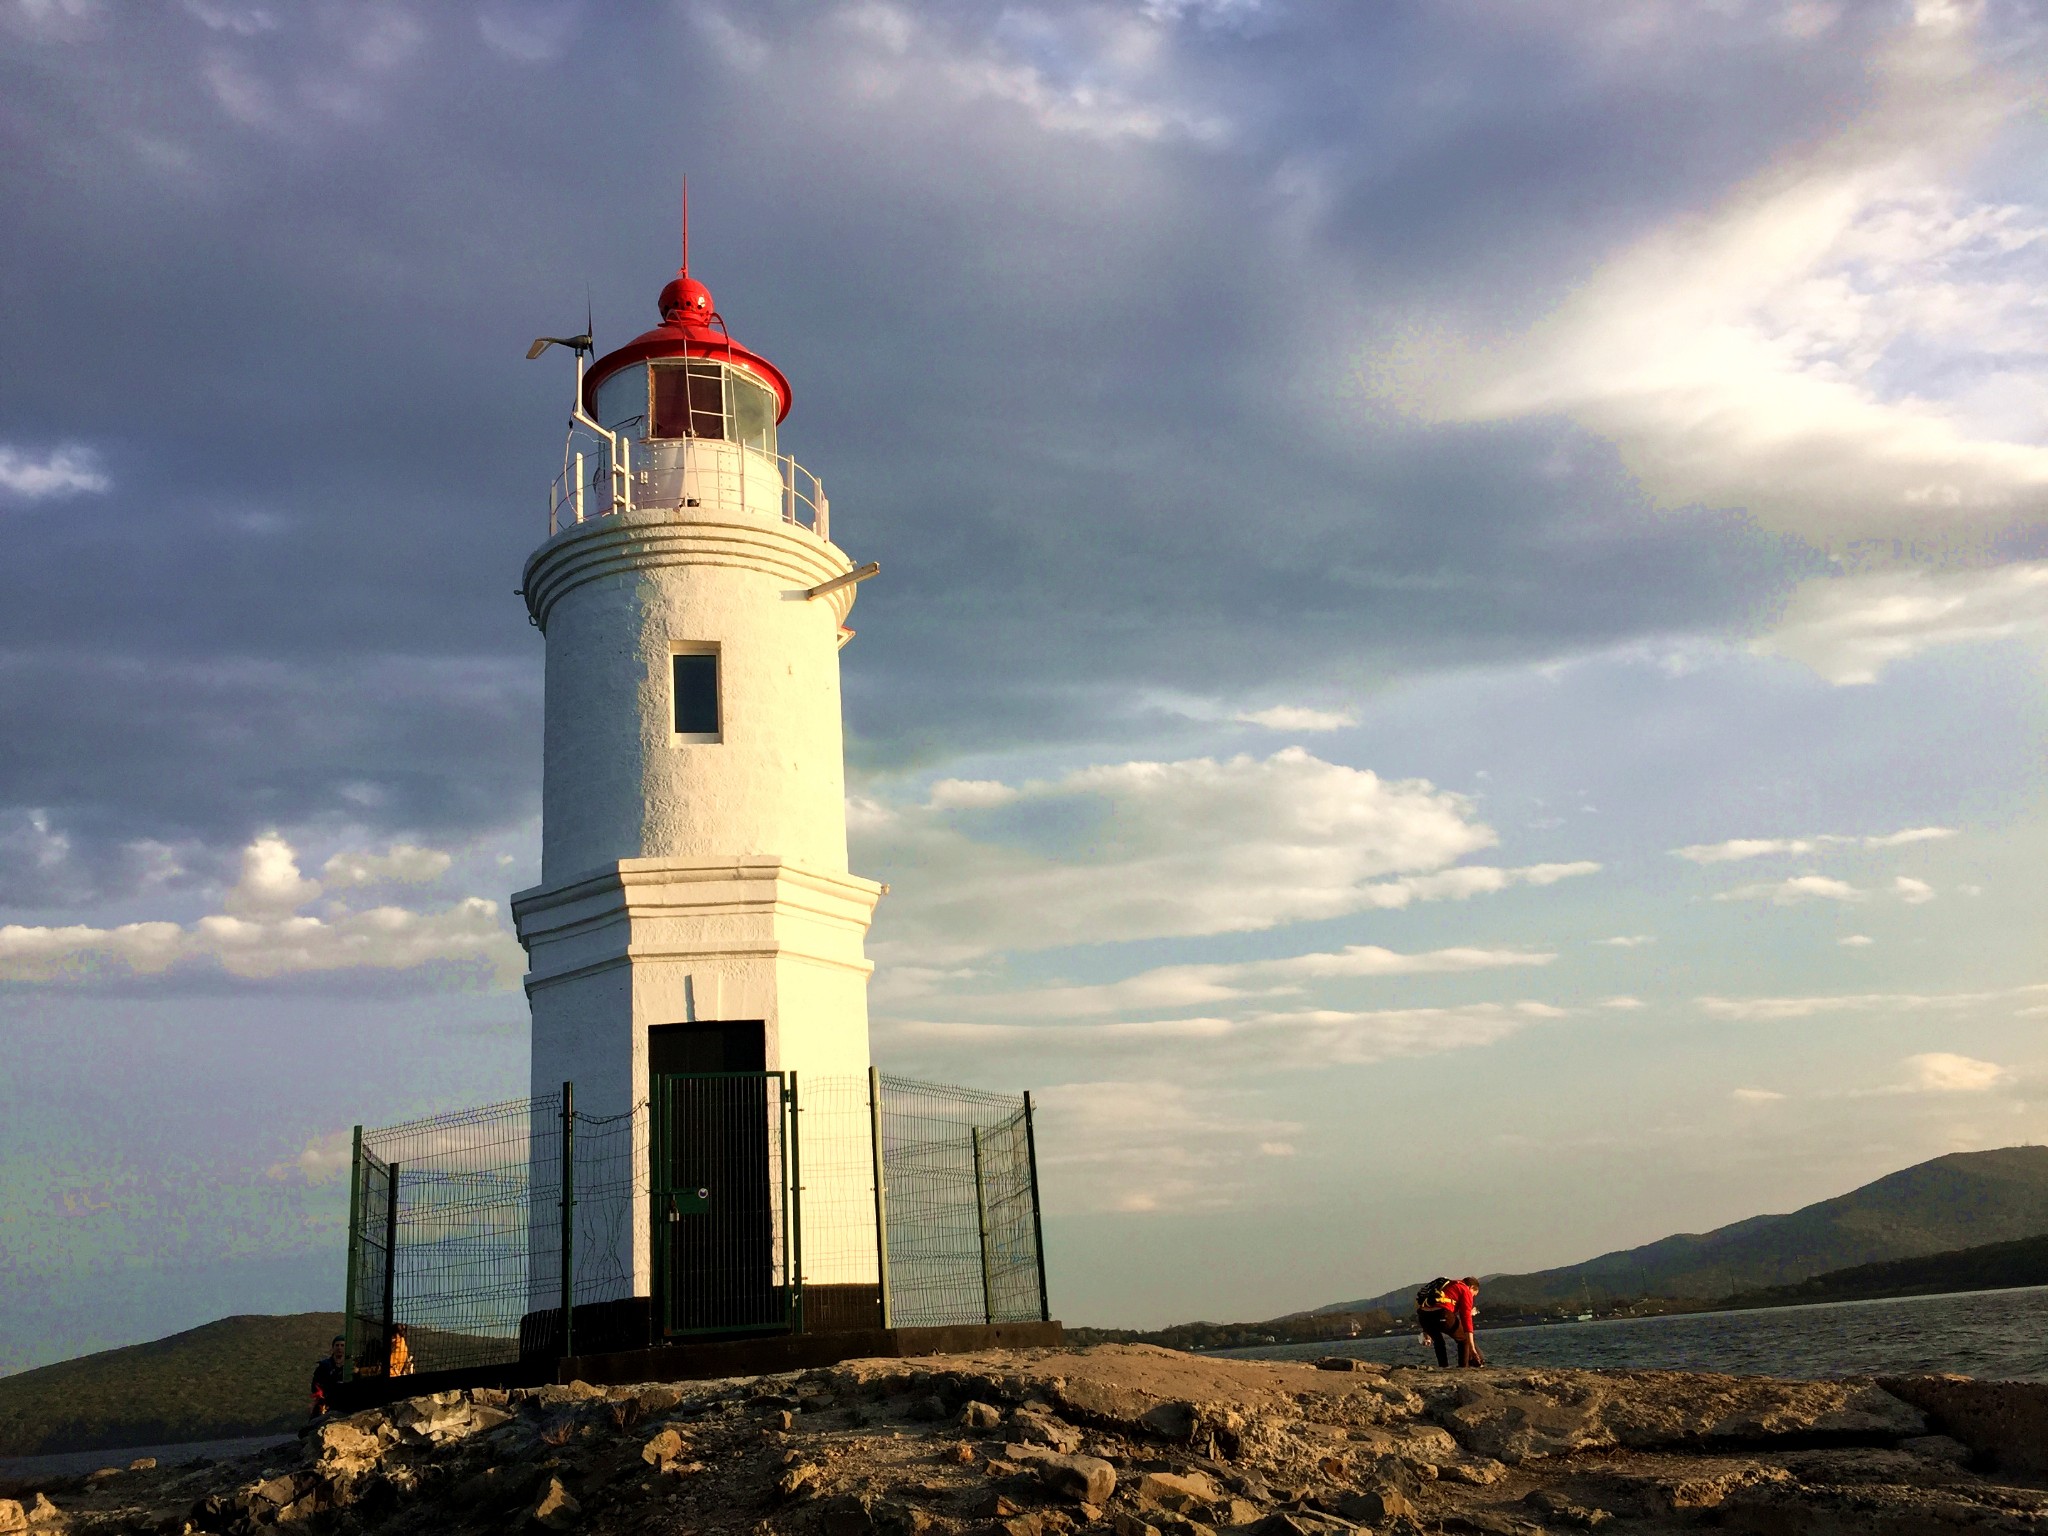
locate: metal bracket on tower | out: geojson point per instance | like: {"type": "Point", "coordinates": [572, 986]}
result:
{"type": "Point", "coordinates": [859, 573]}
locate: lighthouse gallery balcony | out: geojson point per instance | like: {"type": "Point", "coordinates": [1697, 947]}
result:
{"type": "Point", "coordinates": [693, 435]}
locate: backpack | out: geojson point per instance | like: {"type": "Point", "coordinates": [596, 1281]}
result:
{"type": "Point", "coordinates": [1433, 1302]}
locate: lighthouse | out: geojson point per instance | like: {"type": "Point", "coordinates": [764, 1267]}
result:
{"type": "Point", "coordinates": [696, 930]}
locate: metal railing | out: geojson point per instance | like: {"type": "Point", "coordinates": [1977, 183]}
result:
{"type": "Point", "coordinates": [604, 474]}
{"type": "Point", "coordinates": [520, 1229]}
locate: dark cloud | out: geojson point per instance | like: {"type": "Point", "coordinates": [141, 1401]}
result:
{"type": "Point", "coordinates": [1045, 284]}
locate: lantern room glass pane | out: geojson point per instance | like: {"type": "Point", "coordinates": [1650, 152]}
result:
{"type": "Point", "coordinates": [696, 690]}
{"type": "Point", "coordinates": [753, 412]}
{"type": "Point", "coordinates": [689, 400]}
{"type": "Point", "coordinates": [622, 400]}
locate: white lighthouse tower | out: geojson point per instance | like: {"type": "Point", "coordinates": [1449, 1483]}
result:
{"type": "Point", "coordinates": [695, 913]}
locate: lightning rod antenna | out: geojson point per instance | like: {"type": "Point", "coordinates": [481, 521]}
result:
{"type": "Point", "coordinates": [686, 227]}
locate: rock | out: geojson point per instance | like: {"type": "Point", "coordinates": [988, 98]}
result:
{"type": "Point", "coordinates": [486, 1416]}
{"type": "Point", "coordinates": [42, 1511]}
{"type": "Point", "coordinates": [1042, 1429]}
{"type": "Point", "coordinates": [102, 1474]}
{"type": "Point", "coordinates": [1341, 1363]}
{"type": "Point", "coordinates": [345, 1444]}
{"type": "Point", "coordinates": [12, 1516]}
{"type": "Point", "coordinates": [1514, 1426]}
{"type": "Point", "coordinates": [1300, 1522]}
{"type": "Point", "coordinates": [1185, 1494]}
{"type": "Point", "coordinates": [1080, 1479]}
{"type": "Point", "coordinates": [2003, 1422]}
{"type": "Point", "coordinates": [1938, 1448]}
{"type": "Point", "coordinates": [142, 1464]}
{"type": "Point", "coordinates": [928, 1410]}
{"type": "Point", "coordinates": [1236, 1511]}
{"type": "Point", "coordinates": [960, 1455]}
{"type": "Point", "coordinates": [1171, 1421]}
{"type": "Point", "coordinates": [1475, 1471]}
{"type": "Point", "coordinates": [1426, 1443]}
{"type": "Point", "coordinates": [1375, 1505]}
{"type": "Point", "coordinates": [662, 1448]}
{"type": "Point", "coordinates": [1655, 1495]}
{"type": "Point", "coordinates": [443, 1416]}
{"type": "Point", "coordinates": [557, 1509]}
{"type": "Point", "coordinates": [847, 1515]}
{"type": "Point", "coordinates": [980, 1416]}
{"type": "Point", "coordinates": [1558, 1507]}
{"type": "Point", "coordinates": [799, 1482]}
{"type": "Point", "coordinates": [657, 1400]}
{"type": "Point", "coordinates": [491, 1397]}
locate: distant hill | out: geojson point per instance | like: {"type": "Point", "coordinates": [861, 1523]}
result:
{"type": "Point", "coordinates": [1295, 1328]}
{"type": "Point", "coordinates": [1992, 1267]}
{"type": "Point", "coordinates": [1963, 1200]}
{"type": "Point", "coordinates": [239, 1376]}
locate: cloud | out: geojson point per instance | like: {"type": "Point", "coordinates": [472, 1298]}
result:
{"type": "Point", "coordinates": [1278, 1040]}
{"type": "Point", "coordinates": [1800, 888]}
{"type": "Point", "coordinates": [1195, 986]}
{"type": "Point", "coordinates": [1158, 1145]}
{"type": "Point", "coordinates": [1089, 74]}
{"type": "Point", "coordinates": [1758, 847]}
{"type": "Point", "coordinates": [1290, 717]}
{"type": "Point", "coordinates": [1622, 1004]}
{"type": "Point", "coordinates": [1137, 850]}
{"type": "Point", "coordinates": [1776, 1009]}
{"type": "Point", "coordinates": [1627, 941]}
{"type": "Point", "coordinates": [53, 475]}
{"type": "Point", "coordinates": [1850, 628]}
{"type": "Point", "coordinates": [1774, 353]}
{"type": "Point", "coordinates": [1943, 1072]}
{"type": "Point", "coordinates": [270, 883]}
{"type": "Point", "coordinates": [1856, 941]}
{"type": "Point", "coordinates": [1912, 892]}
{"type": "Point", "coordinates": [325, 1157]}
{"type": "Point", "coordinates": [261, 933]}
{"type": "Point", "coordinates": [400, 864]}
{"type": "Point", "coordinates": [1756, 1096]}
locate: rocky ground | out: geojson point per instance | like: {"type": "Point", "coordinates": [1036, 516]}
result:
{"type": "Point", "coordinates": [1112, 1441]}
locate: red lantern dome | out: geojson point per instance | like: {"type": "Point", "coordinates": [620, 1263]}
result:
{"type": "Point", "coordinates": [690, 327]}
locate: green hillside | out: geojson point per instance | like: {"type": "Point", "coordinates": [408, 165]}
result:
{"type": "Point", "coordinates": [239, 1376]}
{"type": "Point", "coordinates": [1992, 1267]}
{"type": "Point", "coordinates": [1963, 1200]}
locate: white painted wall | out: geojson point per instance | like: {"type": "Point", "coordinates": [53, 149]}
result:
{"type": "Point", "coordinates": [686, 880]}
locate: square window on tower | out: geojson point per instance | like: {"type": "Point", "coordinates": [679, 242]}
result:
{"type": "Point", "coordinates": [696, 695]}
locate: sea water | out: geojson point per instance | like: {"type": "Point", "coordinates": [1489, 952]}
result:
{"type": "Point", "coordinates": [1998, 1335]}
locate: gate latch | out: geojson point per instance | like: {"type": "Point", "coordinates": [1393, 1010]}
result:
{"type": "Point", "coordinates": [689, 1202]}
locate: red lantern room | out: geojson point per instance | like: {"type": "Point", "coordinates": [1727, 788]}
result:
{"type": "Point", "coordinates": [687, 378]}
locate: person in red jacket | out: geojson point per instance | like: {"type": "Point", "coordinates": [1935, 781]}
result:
{"type": "Point", "coordinates": [1463, 1296]}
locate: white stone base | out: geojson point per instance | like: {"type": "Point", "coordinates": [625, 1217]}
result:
{"type": "Point", "coordinates": [647, 942]}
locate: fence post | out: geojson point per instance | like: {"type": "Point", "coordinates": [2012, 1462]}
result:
{"type": "Point", "coordinates": [881, 1193]}
{"type": "Point", "coordinates": [568, 1220]}
{"type": "Point", "coordinates": [988, 1290]}
{"type": "Point", "coordinates": [1037, 1227]}
{"type": "Point", "coordinates": [355, 1257]}
{"type": "Point", "coordinates": [390, 1262]}
{"type": "Point", "coordinates": [793, 1212]}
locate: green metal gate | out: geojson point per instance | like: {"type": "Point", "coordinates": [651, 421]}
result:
{"type": "Point", "coordinates": [724, 1214]}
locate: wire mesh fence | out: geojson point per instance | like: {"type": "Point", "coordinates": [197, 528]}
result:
{"type": "Point", "coordinates": [960, 1169]}
{"type": "Point", "coordinates": [733, 1203]}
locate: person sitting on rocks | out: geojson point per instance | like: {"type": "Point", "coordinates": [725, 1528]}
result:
{"type": "Point", "coordinates": [401, 1352]}
{"type": "Point", "coordinates": [1464, 1297]}
{"type": "Point", "coordinates": [327, 1375]}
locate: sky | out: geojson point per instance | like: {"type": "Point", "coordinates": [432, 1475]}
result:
{"type": "Point", "coordinates": [1457, 680]}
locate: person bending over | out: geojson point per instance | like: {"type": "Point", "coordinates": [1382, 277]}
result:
{"type": "Point", "coordinates": [1464, 1299]}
